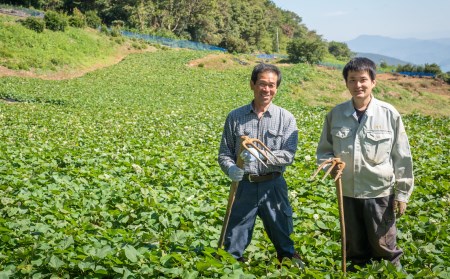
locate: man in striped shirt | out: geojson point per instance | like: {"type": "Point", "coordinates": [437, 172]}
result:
{"type": "Point", "coordinates": [262, 190]}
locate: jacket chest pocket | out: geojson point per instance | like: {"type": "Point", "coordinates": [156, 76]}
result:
{"type": "Point", "coordinates": [377, 146]}
{"type": "Point", "coordinates": [342, 141]}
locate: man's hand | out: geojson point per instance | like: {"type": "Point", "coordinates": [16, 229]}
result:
{"type": "Point", "coordinates": [235, 173]}
{"type": "Point", "coordinates": [334, 172]}
{"type": "Point", "coordinates": [249, 156]}
{"type": "Point", "coordinates": [399, 208]}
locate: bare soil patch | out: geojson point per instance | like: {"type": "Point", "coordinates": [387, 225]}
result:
{"type": "Point", "coordinates": [225, 61]}
{"type": "Point", "coordinates": [417, 84]}
{"type": "Point", "coordinates": [220, 61]}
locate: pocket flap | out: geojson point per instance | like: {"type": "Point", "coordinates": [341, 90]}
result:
{"type": "Point", "coordinates": [275, 133]}
{"type": "Point", "coordinates": [378, 135]}
{"type": "Point", "coordinates": [342, 133]}
{"type": "Point", "coordinates": [243, 132]}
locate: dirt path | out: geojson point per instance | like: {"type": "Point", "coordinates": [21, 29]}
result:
{"type": "Point", "coordinates": [74, 73]}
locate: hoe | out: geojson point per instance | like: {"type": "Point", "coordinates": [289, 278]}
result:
{"type": "Point", "coordinates": [340, 167]}
{"type": "Point", "coordinates": [246, 143]}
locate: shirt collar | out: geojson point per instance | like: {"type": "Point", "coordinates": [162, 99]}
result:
{"type": "Point", "coordinates": [269, 111]}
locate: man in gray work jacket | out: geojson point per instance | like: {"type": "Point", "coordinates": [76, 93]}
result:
{"type": "Point", "coordinates": [369, 136]}
{"type": "Point", "coordinates": [262, 190]}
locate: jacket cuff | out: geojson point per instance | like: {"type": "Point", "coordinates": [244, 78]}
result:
{"type": "Point", "coordinates": [399, 196]}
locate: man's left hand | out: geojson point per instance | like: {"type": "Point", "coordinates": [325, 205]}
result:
{"type": "Point", "coordinates": [399, 208]}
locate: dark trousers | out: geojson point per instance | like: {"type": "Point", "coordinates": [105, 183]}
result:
{"type": "Point", "coordinates": [269, 201]}
{"type": "Point", "coordinates": [370, 230]}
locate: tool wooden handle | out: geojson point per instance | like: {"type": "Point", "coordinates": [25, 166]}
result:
{"type": "Point", "coordinates": [231, 195]}
{"type": "Point", "coordinates": [340, 199]}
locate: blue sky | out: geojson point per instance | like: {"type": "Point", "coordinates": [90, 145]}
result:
{"type": "Point", "coordinates": [344, 20]}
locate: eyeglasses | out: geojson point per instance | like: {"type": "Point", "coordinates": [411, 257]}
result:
{"type": "Point", "coordinates": [263, 85]}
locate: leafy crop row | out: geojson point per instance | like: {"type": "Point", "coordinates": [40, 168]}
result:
{"type": "Point", "coordinates": [115, 175]}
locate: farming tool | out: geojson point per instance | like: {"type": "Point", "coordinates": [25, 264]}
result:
{"type": "Point", "coordinates": [336, 162]}
{"type": "Point", "coordinates": [261, 149]}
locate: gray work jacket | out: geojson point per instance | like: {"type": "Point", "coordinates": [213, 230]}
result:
{"type": "Point", "coordinates": [376, 151]}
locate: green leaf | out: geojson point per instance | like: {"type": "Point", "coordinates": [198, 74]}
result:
{"type": "Point", "coordinates": [103, 252]}
{"type": "Point", "coordinates": [55, 262]}
{"type": "Point", "coordinates": [321, 225]}
{"type": "Point", "coordinates": [131, 253]}
{"type": "Point", "coordinates": [66, 243]}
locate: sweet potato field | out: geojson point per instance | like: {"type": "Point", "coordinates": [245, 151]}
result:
{"type": "Point", "coordinates": [114, 175]}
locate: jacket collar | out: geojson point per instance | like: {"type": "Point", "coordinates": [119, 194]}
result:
{"type": "Point", "coordinates": [349, 109]}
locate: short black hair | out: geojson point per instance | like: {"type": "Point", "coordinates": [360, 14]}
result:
{"type": "Point", "coordinates": [261, 68]}
{"type": "Point", "coordinates": [360, 64]}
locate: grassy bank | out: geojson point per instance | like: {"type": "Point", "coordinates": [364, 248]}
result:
{"type": "Point", "coordinates": [74, 49]}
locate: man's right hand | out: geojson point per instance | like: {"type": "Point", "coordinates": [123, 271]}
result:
{"type": "Point", "coordinates": [335, 172]}
{"type": "Point", "coordinates": [235, 173]}
{"type": "Point", "coordinates": [248, 156]}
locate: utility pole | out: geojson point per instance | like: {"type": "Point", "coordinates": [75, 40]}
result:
{"type": "Point", "coordinates": [278, 44]}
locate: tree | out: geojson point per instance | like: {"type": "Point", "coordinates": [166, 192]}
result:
{"type": "Point", "coordinates": [405, 68]}
{"type": "Point", "coordinates": [206, 23]}
{"type": "Point", "coordinates": [77, 19]}
{"type": "Point", "coordinates": [307, 50]}
{"type": "Point", "coordinates": [139, 14]}
{"type": "Point", "coordinates": [92, 19]}
{"type": "Point", "coordinates": [55, 21]}
{"type": "Point", "coordinates": [242, 26]}
{"type": "Point", "coordinates": [432, 69]}
{"type": "Point", "coordinates": [340, 50]}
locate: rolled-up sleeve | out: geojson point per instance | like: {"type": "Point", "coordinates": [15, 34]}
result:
{"type": "Point", "coordinates": [227, 156]}
{"type": "Point", "coordinates": [285, 155]}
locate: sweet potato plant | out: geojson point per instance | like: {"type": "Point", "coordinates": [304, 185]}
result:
{"type": "Point", "coordinates": [114, 175]}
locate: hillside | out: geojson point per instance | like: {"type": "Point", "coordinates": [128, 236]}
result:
{"type": "Point", "coordinates": [321, 88]}
{"type": "Point", "coordinates": [54, 55]}
{"type": "Point", "coordinates": [324, 87]}
{"type": "Point", "coordinates": [114, 173]}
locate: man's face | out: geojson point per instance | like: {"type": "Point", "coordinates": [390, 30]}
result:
{"type": "Point", "coordinates": [360, 85]}
{"type": "Point", "coordinates": [265, 88]}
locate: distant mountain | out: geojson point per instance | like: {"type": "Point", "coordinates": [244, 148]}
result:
{"type": "Point", "coordinates": [378, 58]}
{"type": "Point", "coordinates": [414, 51]}
{"type": "Point", "coordinates": [444, 41]}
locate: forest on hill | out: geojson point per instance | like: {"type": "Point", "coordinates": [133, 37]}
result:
{"type": "Point", "coordinates": [254, 26]}
{"type": "Point", "coordinates": [241, 26]}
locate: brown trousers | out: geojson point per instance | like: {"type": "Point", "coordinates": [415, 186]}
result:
{"type": "Point", "coordinates": [370, 230]}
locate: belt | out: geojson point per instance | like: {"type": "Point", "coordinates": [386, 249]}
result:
{"type": "Point", "coordinates": [261, 178]}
